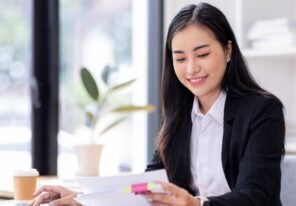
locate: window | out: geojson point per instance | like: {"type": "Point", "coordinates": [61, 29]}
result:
{"type": "Point", "coordinates": [92, 34]}
{"type": "Point", "coordinates": [15, 103]}
{"type": "Point", "coordinates": [95, 34]}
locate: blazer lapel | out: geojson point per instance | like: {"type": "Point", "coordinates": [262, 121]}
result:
{"type": "Point", "coordinates": [230, 110]}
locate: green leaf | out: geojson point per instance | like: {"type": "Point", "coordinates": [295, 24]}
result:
{"type": "Point", "coordinates": [113, 124]}
{"type": "Point", "coordinates": [134, 108]}
{"type": "Point", "coordinates": [122, 85]}
{"type": "Point", "coordinates": [89, 83]}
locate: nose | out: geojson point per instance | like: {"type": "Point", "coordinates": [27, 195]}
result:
{"type": "Point", "coordinates": [193, 66]}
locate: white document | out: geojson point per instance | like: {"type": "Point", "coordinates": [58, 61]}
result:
{"type": "Point", "coordinates": [108, 191]}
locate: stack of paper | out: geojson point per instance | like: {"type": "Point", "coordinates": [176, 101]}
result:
{"type": "Point", "coordinates": [272, 33]}
{"type": "Point", "coordinates": [109, 191]}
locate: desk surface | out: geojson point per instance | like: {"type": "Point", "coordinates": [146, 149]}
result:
{"type": "Point", "coordinates": [7, 203]}
{"type": "Point", "coordinates": [14, 203]}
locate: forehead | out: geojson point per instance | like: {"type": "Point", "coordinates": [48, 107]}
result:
{"type": "Point", "coordinates": [192, 35]}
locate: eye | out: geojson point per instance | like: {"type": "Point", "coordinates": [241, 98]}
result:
{"type": "Point", "coordinates": [180, 60]}
{"type": "Point", "coordinates": [203, 55]}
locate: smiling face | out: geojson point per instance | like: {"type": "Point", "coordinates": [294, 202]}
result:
{"type": "Point", "coordinates": [200, 62]}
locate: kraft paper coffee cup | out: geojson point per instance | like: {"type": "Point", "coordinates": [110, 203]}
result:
{"type": "Point", "coordinates": [25, 183]}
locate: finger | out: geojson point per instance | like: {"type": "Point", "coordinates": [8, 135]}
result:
{"type": "Point", "coordinates": [160, 198]}
{"type": "Point", "coordinates": [47, 188]}
{"type": "Point", "coordinates": [44, 197]}
{"type": "Point", "coordinates": [68, 200]}
{"type": "Point", "coordinates": [172, 189]}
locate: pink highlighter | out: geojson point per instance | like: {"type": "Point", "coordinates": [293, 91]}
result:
{"type": "Point", "coordinates": [143, 188]}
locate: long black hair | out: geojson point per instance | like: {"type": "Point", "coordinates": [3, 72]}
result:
{"type": "Point", "coordinates": [175, 134]}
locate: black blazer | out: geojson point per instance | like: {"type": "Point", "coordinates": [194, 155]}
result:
{"type": "Point", "coordinates": [252, 149]}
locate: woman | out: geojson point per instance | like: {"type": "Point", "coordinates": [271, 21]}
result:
{"type": "Point", "coordinates": [222, 135]}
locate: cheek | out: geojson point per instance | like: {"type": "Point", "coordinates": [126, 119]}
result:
{"type": "Point", "coordinates": [179, 71]}
{"type": "Point", "coordinates": [217, 66]}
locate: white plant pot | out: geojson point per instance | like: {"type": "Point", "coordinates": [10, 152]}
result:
{"type": "Point", "coordinates": [88, 159]}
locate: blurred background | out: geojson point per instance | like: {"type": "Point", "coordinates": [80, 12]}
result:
{"type": "Point", "coordinates": [126, 35]}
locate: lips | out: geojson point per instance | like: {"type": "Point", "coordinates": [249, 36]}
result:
{"type": "Point", "coordinates": [197, 81]}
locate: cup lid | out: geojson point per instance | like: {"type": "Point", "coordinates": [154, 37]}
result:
{"type": "Point", "coordinates": [26, 172]}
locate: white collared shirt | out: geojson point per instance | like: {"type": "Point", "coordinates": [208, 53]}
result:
{"type": "Point", "coordinates": [206, 148]}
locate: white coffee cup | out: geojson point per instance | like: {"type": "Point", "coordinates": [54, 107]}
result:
{"type": "Point", "coordinates": [25, 181]}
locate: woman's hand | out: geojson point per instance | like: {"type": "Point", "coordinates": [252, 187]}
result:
{"type": "Point", "coordinates": [174, 196]}
{"type": "Point", "coordinates": [55, 195]}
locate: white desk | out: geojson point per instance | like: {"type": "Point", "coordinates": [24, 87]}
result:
{"type": "Point", "coordinates": [14, 203]}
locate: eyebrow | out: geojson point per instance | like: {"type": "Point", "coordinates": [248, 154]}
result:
{"type": "Point", "coordinates": [194, 49]}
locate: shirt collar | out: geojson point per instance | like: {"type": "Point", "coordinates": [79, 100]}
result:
{"type": "Point", "coordinates": [216, 111]}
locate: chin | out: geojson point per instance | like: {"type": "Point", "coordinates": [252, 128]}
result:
{"type": "Point", "coordinates": [198, 94]}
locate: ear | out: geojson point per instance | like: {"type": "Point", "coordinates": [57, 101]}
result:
{"type": "Point", "coordinates": [229, 50]}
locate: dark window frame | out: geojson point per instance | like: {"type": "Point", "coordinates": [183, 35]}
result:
{"type": "Point", "coordinates": [45, 86]}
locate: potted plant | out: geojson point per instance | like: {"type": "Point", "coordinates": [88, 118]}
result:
{"type": "Point", "coordinates": [96, 112]}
